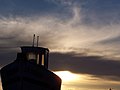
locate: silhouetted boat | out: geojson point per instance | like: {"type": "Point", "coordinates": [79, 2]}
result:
{"type": "Point", "coordinates": [30, 71]}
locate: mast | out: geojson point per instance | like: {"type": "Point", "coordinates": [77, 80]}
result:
{"type": "Point", "coordinates": [33, 40]}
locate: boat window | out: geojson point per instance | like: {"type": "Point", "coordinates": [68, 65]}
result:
{"type": "Point", "coordinates": [31, 56]}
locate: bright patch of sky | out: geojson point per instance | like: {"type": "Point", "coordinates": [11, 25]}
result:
{"type": "Point", "coordinates": [85, 82]}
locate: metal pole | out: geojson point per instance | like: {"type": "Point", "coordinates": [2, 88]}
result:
{"type": "Point", "coordinates": [37, 41]}
{"type": "Point", "coordinates": [33, 40]}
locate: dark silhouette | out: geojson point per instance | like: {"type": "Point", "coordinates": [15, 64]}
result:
{"type": "Point", "coordinates": [110, 89]}
{"type": "Point", "coordinates": [30, 71]}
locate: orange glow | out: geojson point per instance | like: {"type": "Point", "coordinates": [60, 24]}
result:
{"type": "Point", "coordinates": [66, 76]}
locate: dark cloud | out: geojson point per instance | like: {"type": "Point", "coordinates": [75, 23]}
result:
{"type": "Point", "coordinates": [94, 65]}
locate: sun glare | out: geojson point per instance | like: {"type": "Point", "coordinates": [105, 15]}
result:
{"type": "Point", "coordinates": [66, 75]}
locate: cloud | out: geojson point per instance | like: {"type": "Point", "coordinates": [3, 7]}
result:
{"type": "Point", "coordinates": [112, 41]}
{"type": "Point", "coordinates": [58, 34]}
{"type": "Point", "coordinates": [93, 65]}
{"type": "Point", "coordinates": [74, 44]}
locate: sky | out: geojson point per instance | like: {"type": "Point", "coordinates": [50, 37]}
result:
{"type": "Point", "coordinates": [83, 37]}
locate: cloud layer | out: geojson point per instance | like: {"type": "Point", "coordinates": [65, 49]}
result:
{"type": "Point", "coordinates": [79, 41]}
{"type": "Point", "coordinates": [94, 65]}
{"type": "Point", "coordinates": [58, 34]}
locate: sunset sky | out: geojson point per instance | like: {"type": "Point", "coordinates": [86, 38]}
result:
{"type": "Point", "coordinates": [83, 37]}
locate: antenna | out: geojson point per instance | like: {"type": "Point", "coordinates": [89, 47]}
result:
{"type": "Point", "coordinates": [37, 40]}
{"type": "Point", "coordinates": [33, 40]}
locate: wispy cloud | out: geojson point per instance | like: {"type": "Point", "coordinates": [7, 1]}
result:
{"type": "Point", "coordinates": [58, 34]}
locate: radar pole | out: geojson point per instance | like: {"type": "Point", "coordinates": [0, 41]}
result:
{"type": "Point", "coordinates": [37, 41]}
{"type": "Point", "coordinates": [33, 40]}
